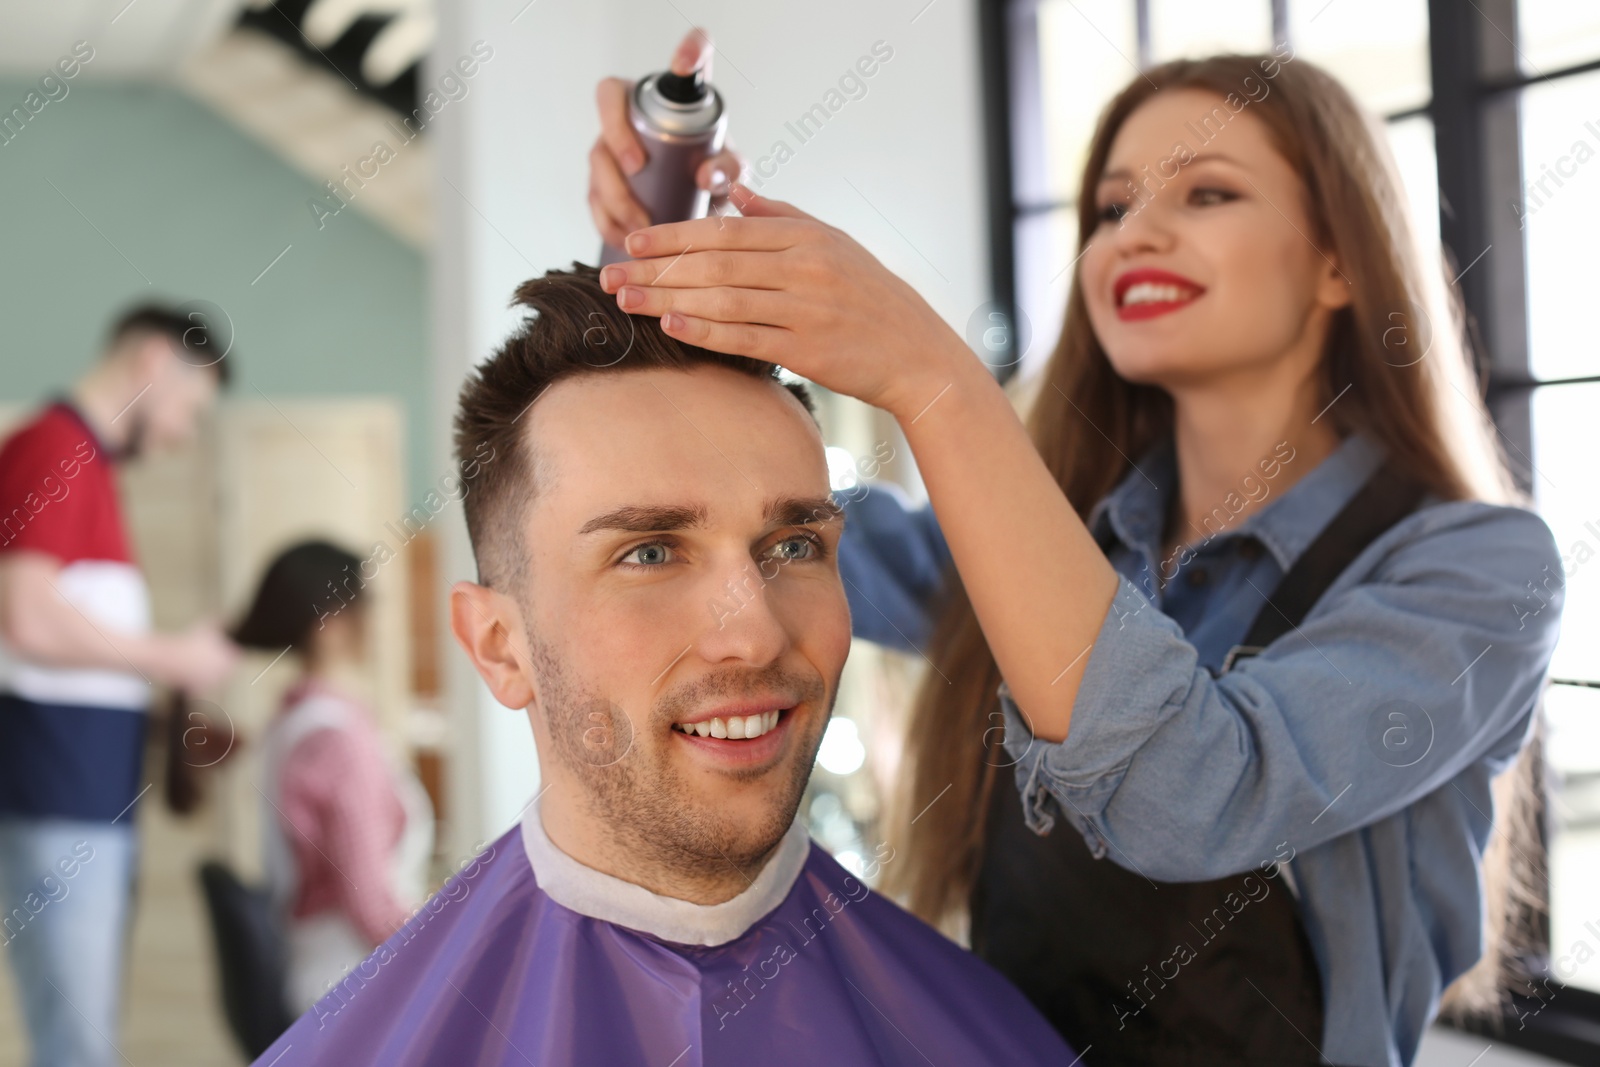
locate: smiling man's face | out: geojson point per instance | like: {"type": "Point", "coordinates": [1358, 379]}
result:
{"type": "Point", "coordinates": [684, 619]}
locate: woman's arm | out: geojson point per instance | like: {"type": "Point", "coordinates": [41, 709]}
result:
{"type": "Point", "coordinates": [892, 558]}
{"type": "Point", "coordinates": [786, 288]}
{"type": "Point", "coordinates": [1038, 582]}
{"type": "Point", "coordinates": [1424, 658]}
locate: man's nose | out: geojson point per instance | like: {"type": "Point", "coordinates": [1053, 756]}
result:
{"type": "Point", "coordinates": [741, 622]}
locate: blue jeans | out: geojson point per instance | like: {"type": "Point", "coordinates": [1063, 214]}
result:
{"type": "Point", "coordinates": [66, 889]}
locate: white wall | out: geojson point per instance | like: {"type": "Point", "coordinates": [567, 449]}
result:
{"type": "Point", "coordinates": [513, 181]}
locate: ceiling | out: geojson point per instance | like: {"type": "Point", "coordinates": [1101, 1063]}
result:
{"type": "Point", "coordinates": [316, 81]}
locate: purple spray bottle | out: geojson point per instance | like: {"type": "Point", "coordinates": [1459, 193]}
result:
{"type": "Point", "coordinates": [681, 122]}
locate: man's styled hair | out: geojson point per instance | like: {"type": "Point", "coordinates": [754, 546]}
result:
{"type": "Point", "coordinates": [188, 334]}
{"type": "Point", "coordinates": [578, 329]}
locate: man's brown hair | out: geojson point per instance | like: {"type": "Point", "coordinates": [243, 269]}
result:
{"type": "Point", "coordinates": [189, 329]}
{"type": "Point", "coordinates": [577, 330]}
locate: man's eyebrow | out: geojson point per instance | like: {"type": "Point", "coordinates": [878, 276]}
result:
{"type": "Point", "coordinates": [801, 511]}
{"type": "Point", "coordinates": [643, 518]}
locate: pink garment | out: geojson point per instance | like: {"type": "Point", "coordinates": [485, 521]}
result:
{"type": "Point", "coordinates": [342, 818]}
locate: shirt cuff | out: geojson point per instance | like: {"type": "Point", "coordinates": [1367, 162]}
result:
{"type": "Point", "coordinates": [1139, 671]}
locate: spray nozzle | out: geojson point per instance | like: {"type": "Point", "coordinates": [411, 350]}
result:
{"type": "Point", "coordinates": [682, 88]}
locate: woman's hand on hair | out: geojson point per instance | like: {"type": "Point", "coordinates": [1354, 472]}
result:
{"type": "Point", "coordinates": [778, 285]}
{"type": "Point", "coordinates": [617, 154]}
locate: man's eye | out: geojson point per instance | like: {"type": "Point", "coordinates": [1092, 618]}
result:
{"type": "Point", "coordinates": [653, 554]}
{"type": "Point", "coordinates": [793, 549]}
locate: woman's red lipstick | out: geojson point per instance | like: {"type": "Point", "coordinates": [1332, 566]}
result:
{"type": "Point", "coordinates": [1145, 292]}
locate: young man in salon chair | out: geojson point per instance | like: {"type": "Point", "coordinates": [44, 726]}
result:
{"type": "Point", "coordinates": [657, 590]}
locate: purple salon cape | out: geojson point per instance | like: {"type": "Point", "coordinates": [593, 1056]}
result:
{"type": "Point", "coordinates": [527, 957]}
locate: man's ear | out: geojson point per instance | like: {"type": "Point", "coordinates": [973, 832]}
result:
{"type": "Point", "coordinates": [488, 625]}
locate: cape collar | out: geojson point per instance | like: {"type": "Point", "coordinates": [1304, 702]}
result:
{"type": "Point", "coordinates": [583, 889]}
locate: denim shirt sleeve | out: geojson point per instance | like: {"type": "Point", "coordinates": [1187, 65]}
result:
{"type": "Point", "coordinates": [892, 557]}
{"type": "Point", "coordinates": [1425, 657]}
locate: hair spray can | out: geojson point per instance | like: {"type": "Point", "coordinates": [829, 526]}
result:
{"type": "Point", "coordinates": [681, 122]}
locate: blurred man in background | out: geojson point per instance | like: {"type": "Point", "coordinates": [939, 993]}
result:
{"type": "Point", "coordinates": [77, 662]}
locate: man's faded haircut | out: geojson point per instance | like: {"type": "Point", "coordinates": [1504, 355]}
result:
{"type": "Point", "coordinates": [576, 329]}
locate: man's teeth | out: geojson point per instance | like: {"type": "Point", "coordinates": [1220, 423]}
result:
{"type": "Point", "coordinates": [735, 727]}
{"type": "Point", "coordinates": [1151, 293]}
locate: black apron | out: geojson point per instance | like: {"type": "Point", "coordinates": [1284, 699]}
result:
{"type": "Point", "coordinates": [1169, 973]}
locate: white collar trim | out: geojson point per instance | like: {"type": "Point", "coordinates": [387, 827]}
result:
{"type": "Point", "coordinates": [583, 889]}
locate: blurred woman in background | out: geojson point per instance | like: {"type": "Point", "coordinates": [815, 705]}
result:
{"type": "Point", "coordinates": [348, 828]}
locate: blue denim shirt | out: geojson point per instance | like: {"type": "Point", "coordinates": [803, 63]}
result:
{"type": "Point", "coordinates": [1360, 745]}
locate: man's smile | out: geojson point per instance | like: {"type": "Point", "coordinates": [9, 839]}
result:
{"type": "Point", "coordinates": [732, 727]}
{"type": "Point", "coordinates": [743, 740]}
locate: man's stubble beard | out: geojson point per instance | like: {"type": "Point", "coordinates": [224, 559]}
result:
{"type": "Point", "coordinates": [644, 801]}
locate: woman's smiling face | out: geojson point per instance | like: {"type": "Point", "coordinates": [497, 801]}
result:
{"type": "Point", "coordinates": [1204, 263]}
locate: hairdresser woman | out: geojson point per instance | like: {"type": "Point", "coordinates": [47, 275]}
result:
{"type": "Point", "coordinates": [1247, 593]}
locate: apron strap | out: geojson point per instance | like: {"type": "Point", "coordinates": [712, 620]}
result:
{"type": "Point", "coordinates": [1387, 498]}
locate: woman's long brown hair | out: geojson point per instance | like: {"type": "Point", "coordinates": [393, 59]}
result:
{"type": "Point", "coordinates": [1426, 411]}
